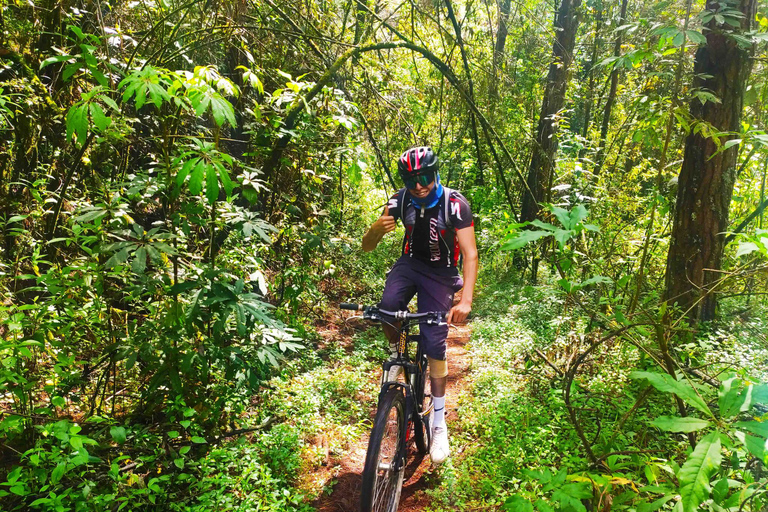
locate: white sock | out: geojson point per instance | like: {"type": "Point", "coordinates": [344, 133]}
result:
{"type": "Point", "coordinates": [438, 419]}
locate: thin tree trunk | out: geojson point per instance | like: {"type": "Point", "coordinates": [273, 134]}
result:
{"type": "Point", "coordinates": [545, 145]}
{"type": "Point", "coordinates": [471, 89]}
{"type": "Point", "coordinates": [611, 94]}
{"type": "Point", "coordinates": [591, 85]}
{"type": "Point", "coordinates": [707, 177]}
{"type": "Point", "coordinates": [498, 51]}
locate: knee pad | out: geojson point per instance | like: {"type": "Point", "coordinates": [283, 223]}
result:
{"type": "Point", "coordinates": [438, 368]}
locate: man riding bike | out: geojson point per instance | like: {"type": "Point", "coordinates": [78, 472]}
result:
{"type": "Point", "coordinates": [438, 228]}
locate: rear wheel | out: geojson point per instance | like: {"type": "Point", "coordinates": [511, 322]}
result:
{"type": "Point", "coordinates": [382, 483]}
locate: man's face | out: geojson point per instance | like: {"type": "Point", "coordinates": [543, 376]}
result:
{"type": "Point", "coordinates": [422, 191]}
{"type": "Point", "coordinates": [416, 184]}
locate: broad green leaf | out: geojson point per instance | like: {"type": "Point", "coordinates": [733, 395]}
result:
{"type": "Point", "coordinates": [696, 37]}
{"type": "Point", "coordinates": [746, 248]}
{"type": "Point", "coordinates": [101, 121]}
{"type": "Point", "coordinates": [595, 280]}
{"type": "Point", "coordinates": [118, 258]}
{"type": "Point", "coordinates": [756, 446]}
{"type": "Point", "coordinates": [54, 60]}
{"type": "Point", "coordinates": [563, 235]}
{"type": "Point", "coordinates": [139, 263]}
{"type": "Point", "coordinates": [226, 182]}
{"type": "Point", "coordinates": [760, 394]}
{"type": "Point", "coordinates": [158, 94]}
{"type": "Point", "coordinates": [735, 397]}
{"type": "Point", "coordinates": [58, 472]}
{"type": "Point", "coordinates": [70, 70]}
{"type": "Point", "coordinates": [720, 490]}
{"type": "Point", "coordinates": [521, 238]}
{"type": "Point", "coordinates": [759, 428]}
{"type": "Point", "coordinates": [77, 122]}
{"type": "Point", "coordinates": [578, 214]}
{"type": "Point", "coordinates": [567, 500]}
{"type": "Point", "coordinates": [185, 170]}
{"type": "Point", "coordinates": [562, 215]}
{"type": "Point", "coordinates": [695, 474]}
{"type": "Point", "coordinates": [542, 225]}
{"type": "Point", "coordinates": [678, 424]}
{"type": "Point", "coordinates": [141, 95]}
{"type": "Point", "coordinates": [198, 440]}
{"type": "Point", "coordinates": [517, 503]}
{"type": "Point", "coordinates": [665, 382]}
{"type": "Point", "coordinates": [110, 103]}
{"type": "Point", "coordinates": [196, 178]}
{"type": "Point", "coordinates": [211, 184]}
{"type": "Point", "coordinates": [655, 505]}
{"type": "Point", "coordinates": [118, 434]}
{"type": "Point", "coordinates": [222, 110]}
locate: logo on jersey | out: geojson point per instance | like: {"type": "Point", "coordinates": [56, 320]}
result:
{"type": "Point", "coordinates": [456, 209]}
{"type": "Point", "coordinates": [434, 243]}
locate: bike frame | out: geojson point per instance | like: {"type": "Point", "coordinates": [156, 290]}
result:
{"type": "Point", "coordinates": [415, 372]}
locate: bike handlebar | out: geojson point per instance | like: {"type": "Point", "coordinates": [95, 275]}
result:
{"type": "Point", "coordinates": [374, 313]}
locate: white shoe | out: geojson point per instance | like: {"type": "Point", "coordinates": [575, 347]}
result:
{"type": "Point", "coordinates": [440, 449]}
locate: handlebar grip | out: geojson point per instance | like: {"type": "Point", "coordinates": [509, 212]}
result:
{"type": "Point", "coordinates": [351, 306]}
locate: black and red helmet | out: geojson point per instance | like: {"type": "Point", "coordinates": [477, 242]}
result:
{"type": "Point", "coordinates": [417, 161]}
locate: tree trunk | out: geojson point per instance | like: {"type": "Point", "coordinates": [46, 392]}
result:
{"type": "Point", "coordinates": [591, 86]}
{"type": "Point", "coordinates": [611, 94]}
{"type": "Point", "coordinates": [706, 179]}
{"type": "Point", "coordinates": [540, 170]}
{"type": "Point", "coordinates": [498, 51]}
{"type": "Point", "coordinates": [471, 88]}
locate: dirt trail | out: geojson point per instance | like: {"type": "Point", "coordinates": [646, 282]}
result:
{"type": "Point", "coordinates": [346, 491]}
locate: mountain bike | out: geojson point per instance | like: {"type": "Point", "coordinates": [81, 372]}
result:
{"type": "Point", "coordinates": [403, 412]}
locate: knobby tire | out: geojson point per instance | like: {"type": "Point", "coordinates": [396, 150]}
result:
{"type": "Point", "coordinates": [421, 428]}
{"type": "Point", "coordinates": [381, 486]}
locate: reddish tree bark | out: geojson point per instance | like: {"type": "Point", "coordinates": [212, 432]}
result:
{"type": "Point", "coordinates": [706, 179]}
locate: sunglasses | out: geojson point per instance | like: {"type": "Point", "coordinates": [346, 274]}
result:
{"type": "Point", "coordinates": [421, 179]}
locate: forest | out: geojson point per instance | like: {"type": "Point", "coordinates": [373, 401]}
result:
{"type": "Point", "coordinates": [184, 186]}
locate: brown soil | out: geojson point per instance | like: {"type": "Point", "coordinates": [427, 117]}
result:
{"type": "Point", "coordinates": [345, 492]}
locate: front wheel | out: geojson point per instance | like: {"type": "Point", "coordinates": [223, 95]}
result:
{"type": "Point", "coordinates": [421, 420]}
{"type": "Point", "coordinates": [382, 482]}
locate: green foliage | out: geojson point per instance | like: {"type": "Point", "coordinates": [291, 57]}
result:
{"type": "Point", "coordinates": [571, 222]}
{"type": "Point", "coordinates": [204, 164]}
{"type": "Point", "coordinates": [669, 384]}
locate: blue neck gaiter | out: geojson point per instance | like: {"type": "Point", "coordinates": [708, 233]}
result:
{"type": "Point", "coordinates": [432, 198]}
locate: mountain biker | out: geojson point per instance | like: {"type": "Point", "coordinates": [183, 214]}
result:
{"type": "Point", "coordinates": [438, 227]}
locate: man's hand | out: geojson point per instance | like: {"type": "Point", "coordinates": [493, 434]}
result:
{"type": "Point", "coordinates": [459, 312]}
{"type": "Point", "coordinates": [378, 229]}
{"type": "Point", "coordinates": [383, 225]}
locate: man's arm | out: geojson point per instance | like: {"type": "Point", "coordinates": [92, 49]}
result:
{"type": "Point", "coordinates": [378, 229]}
{"type": "Point", "coordinates": [468, 248]}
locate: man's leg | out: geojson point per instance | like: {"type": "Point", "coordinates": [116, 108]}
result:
{"type": "Point", "coordinates": [398, 292]}
{"type": "Point", "coordinates": [436, 294]}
